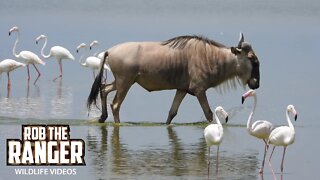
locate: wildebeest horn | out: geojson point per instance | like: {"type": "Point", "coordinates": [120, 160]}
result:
{"type": "Point", "coordinates": [241, 40]}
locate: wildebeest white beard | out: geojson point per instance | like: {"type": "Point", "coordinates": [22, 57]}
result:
{"type": "Point", "coordinates": [231, 83]}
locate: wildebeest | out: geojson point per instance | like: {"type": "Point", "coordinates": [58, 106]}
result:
{"type": "Point", "coordinates": [189, 64]}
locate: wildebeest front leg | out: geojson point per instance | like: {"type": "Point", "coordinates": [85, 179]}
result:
{"type": "Point", "coordinates": [175, 105]}
{"type": "Point", "coordinates": [103, 95]}
{"type": "Point", "coordinates": [202, 98]}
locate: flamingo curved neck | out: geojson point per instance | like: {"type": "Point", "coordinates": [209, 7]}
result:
{"type": "Point", "coordinates": [44, 45]}
{"type": "Point", "coordinates": [249, 123]}
{"type": "Point", "coordinates": [15, 45]}
{"type": "Point", "coordinates": [217, 118]}
{"type": "Point", "coordinates": [289, 121]}
{"type": "Point", "coordinates": [82, 58]}
{"type": "Point", "coordinates": [97, 51]}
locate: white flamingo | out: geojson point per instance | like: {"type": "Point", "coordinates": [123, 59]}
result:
{"type": "Point", "coordinates": [91, 61]}
{"type": "Point", "coordinates": [9, 65]}
{"type": "Point", "coordinates": [57, 52]}
{"type": "Point", "coordinates": [283, 135]}
{"type": "Point", "coordinates": [260, 129]}
{"type": "Point", "coordinates": [213, 134]}
{"type": "Point", "coordinates": [27, 56]}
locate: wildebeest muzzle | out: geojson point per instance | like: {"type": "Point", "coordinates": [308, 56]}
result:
{"type": "Point", "coordinates": [254, 81]}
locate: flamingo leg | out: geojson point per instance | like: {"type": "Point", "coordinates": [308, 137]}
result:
{"type": "Point", "coordinates": [217, 165]}
{"type": "Point", "coordinates": [38, 73]}
{"type": "Point", "coordinates": [266, 147]}
{"type": "Point", "coordinates": [9, 83]}
{"type": "Point", "coordinates": [60, 68]}
{"type": "Point", "coordinates": [271, 153]}
{"type": "Point", "coordinates": [28, 72]}
{"type": "Point", "coordinates": [274, 176]}
{"type": "Point", "coordinates": [208, 161]}
{"type": "Point", "coordinates": [284, 152]}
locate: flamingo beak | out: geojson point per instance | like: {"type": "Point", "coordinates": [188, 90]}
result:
{"type": "Point", "coordinates": [243, 98]}
{"type": "Point", "coordinates": [36, 42]}
{"type": "Point", "coordinates": [77, 50]}
{"type": "Point", "coordinates": [9, 33]}
{"type": "Point", "coordinates": [90, 48]}
{"type": "Point", "coordinates": [227, 118]}
{"type": "Point", "coordinates": [295, 117]}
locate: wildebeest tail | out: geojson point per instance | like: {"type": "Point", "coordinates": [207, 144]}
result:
{"type": "Point", "coordinates": [96, 86]}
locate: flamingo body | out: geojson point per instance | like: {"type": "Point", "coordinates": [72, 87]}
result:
{"type": "Point", "coordinates": [282, 136]}
{"type": "Point", "coordinates": [60, 53]}
{"type": "Point", "coordinates": [260, 129]}
{"type": "Point", "coordinates": [94, 63]}
{"type": "Point", "coordinates": [9, 65]}
{"type": "Point", "coordinates": [213, 134]}
{"type": "Point", "coordinates": [30, 58]}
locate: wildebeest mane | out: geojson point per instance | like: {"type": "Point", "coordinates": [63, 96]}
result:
{"type": "Point", "coordinates": [181, 41]}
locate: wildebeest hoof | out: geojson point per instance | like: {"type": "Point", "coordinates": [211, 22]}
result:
{"type": "Point", "coordinates": [102, 119]}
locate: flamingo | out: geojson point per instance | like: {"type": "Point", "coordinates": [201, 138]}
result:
{"type": "Point", "coordinates": [28, 56]}
{"type": "Point", "coordinates": [91, 61]}
{"type": "Point", "coordinates": [260, 129]}
{"type": "Point", "coordinates": [57, 52]}
{"type": "Point", "coordinates": [213, 134]}
{"type": "Point", "coordinates": [283, 135]}
{"type": "Point", "coordinates": [9, 65]}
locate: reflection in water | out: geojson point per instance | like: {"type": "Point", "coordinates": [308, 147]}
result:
{"type": "Point", "coordinates": [118, 160]}
{"type": "Point", "coordinates": [176, 149]}
{"type": "Point", "coordinates": [61, 102]}
{"type": "Point", "coordinates": [97, 144]}
{"type": "Point", "coordinates": [53, 103]}
{"type": "Point", "coordinates": [22, 107]}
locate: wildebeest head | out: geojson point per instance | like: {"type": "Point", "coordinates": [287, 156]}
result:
{"type": "Point", "coordinates": [248, 63]}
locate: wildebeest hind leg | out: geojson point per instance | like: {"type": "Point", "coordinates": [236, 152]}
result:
{"type": "Point", "coordinates": [175, 105]}
{"type": "Point", "coordinates": [103, 94]}
{"type": "Point", "coordinates": [121, 93]}
{"type": "Point", "coordinates": [202, 98]}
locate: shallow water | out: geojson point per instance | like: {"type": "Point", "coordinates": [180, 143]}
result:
{"type": "Point", "coordinates": [139, 151]}
{"type": "Point", "coordinates": [283, 34]}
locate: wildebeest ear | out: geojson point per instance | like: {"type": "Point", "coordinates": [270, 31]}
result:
{"type": "Point", "coordinates": [235, 50]}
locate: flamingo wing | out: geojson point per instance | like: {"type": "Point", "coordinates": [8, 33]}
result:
{"type": "Point", "coordinates": [8, 65]}
{"type": "Point", "coordinates": [213, 134]}
{"type": "Point", "coordinates": [30, 58]}
{"type": "Point", "coordinates": [61, 53]}
{"type": "Point", "coordinates": [281, 136]}
{"type": "Point", "coordinates": [93, 62]}
{"type": "Point", "coordinates": [262, 129]}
